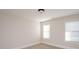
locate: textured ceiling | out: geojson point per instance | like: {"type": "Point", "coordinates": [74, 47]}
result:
{"type": "Point", "coordinates": [33, 14]}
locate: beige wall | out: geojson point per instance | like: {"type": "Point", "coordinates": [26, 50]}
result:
{"type": "Point", "coordinates": [16, 31]}
{"type": "Point", "coordinates": [58, 31]}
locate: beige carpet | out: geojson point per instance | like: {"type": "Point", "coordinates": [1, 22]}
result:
{"type": "Point", "coordinates": [42, 46]}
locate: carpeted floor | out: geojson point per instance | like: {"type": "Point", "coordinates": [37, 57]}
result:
{"type": "Point", "coordinates": [42, 46]}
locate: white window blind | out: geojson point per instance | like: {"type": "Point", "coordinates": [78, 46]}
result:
{"type": "Point", "coordinates": [72, 31]}
{"type": "Point", "coordinates": [46, 31]}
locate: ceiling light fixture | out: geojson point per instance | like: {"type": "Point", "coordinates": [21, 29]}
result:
{"type": "Point", "coordinates": [41, 10]}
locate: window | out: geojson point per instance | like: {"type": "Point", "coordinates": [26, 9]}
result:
{"type": "Point", "coordinates": [46, 31]}
{"type": "Point", "coordinates": [72, 31]}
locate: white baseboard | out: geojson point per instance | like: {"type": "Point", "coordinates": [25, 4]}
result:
{"type": "Point", "coordinates": [60, 46]}
{"type": "Point", "coordinates": [28, 45]}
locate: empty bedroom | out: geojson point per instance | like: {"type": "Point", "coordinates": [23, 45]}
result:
{"type": "Point", "coordinates": [39, 28]}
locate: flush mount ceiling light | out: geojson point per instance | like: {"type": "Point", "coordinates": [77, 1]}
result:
{"type": "Point", "coordinates": [41, 10]}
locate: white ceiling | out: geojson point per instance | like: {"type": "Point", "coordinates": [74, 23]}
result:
{"type": "Point", "coordinates": [33, 14]}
